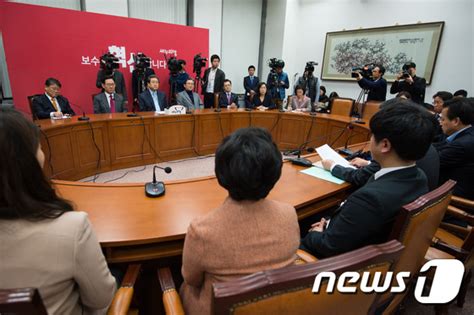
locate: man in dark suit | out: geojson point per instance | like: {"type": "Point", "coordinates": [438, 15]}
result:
{"type": "Point", "coordinates": [401, 134]}
{"type": "Point", "coordinates": [51, 103]}
{"type": "Point", "coordinates": [456, 153]}
{"type": "Point", "coordinates": [409, 82]}
{"type": "Point", "coordinates": [152, 99]}
{"type": "Point", "coordinates": [227, 98]}
{"type": "Point", "coordinates": [118, 78]}
{"type": "Point", "coordinates": [109, 101]}
{"type": "Point", "coordinates": [250, 85]}
{"type": "Point", "coordinates": [377, 86]}
{"type": "Point", "coordinates": [212, 82]}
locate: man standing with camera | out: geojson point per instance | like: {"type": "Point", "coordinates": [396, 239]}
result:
{"type": "Point", "coordinates": [212, 82]}
{"type": "Point", "coordinates": [377, 85]}
{"type": "Point", "coordinates": [409, 82]}
{"type": "Point", "coordinates": [277, 81]}
{"type": "Point", "coordinates": [309, 82]}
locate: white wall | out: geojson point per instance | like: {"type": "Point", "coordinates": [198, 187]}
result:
{"type": "Point", "coordinates": [240, 41]}
{"type": "Point", "coordinates": [309, 20]}
{"type": "Point", "coordinates": [208, 14]}
{"type": "Point", "coordinates": [63, 4]}
{"type": "Point", "coordinates": [111, 7]}
{"type": "Point", "coordinates": [168, 11]}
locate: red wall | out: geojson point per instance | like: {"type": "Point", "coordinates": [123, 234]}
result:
{"type": "Point", "coordinates": [42, 42]}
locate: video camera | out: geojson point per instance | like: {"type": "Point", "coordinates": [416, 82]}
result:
{"type": "Point", "coordinates": [365, 71]}
{"type": "Point", "coordinates": [174, 65]}
{"type": "Point", "coordinates": [142, 62]}
{"type": "Point", "coordinates": [198, 63]}
{"type": "Point", "coordinates": [276, 63]}
{"type": "Point", "coordinates": [310, 66]}
{"type": "Point", "coordinates": [108, 62]}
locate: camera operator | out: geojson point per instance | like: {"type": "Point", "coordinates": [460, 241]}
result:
{"type": "Point", "coordinates": [212, 82]}
{"type": "Point", "coordinates": [409, 82]}
{"type": "Point", "coordinates": [277, 81]}
{"type": "Point", "coordinates": [309, 82]}
{"type": "Point", "coordinates": [140, 73]}
{"type": "Point", "coordinates": [178, 77]}
{"type": "Point", "coordinates": [376, 85]}
{"type": "Point", "coordinates": [108, 68]}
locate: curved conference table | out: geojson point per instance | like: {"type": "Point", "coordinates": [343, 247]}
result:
{"type": "Point", "coordinates": [133, 227]}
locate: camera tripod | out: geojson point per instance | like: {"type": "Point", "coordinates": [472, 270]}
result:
{"type": "Point", "coordinates": [361, 99]}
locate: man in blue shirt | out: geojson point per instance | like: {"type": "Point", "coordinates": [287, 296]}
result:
{"type": "Point", "coordinates": [277, 82]}
{"type": "Point", "coordinates": [152, 99]}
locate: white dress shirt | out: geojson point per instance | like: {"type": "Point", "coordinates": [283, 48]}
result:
{"type": "Point", "coordinates": [210, 80]}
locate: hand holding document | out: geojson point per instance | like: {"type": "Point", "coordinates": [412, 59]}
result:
{"type": "Point", "coordinates": [327, 153]}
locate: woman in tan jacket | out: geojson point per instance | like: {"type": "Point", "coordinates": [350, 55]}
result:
{"type": "Point", "coordinates": [44, 243]}
{"type": "Point", "coordinates": [247, 233]}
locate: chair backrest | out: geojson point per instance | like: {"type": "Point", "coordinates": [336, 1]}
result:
{"type": "Point", "coordinates": [25, 301]}
{"type": "Point", "coordinates": [342, 106]}
{"type": "Point", "coordinates": [369, 109]}
{"type": "Point", "coordinates": [415, 227]}
{"type": "Point", "coordinates": [30, 103]}
{"type": "Point", "coordinates": [289, 290]}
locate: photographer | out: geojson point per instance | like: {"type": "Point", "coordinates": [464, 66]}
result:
{"type": "Point", "coordinates": [212, 82]}
{"type": "Point", "coordinates": [108, 68]}
{"type": "Point", "coordinates": [377, 85]}
{"type": "Point", "coordinates": [277, 81]}
{"type": "Point", "coordinates": [309, 82]}
{"type": "Point", "coordinates": [409, 82]}
{"type": "Point", "coordinates": [178, 77]}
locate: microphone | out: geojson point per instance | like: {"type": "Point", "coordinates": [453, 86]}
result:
{"type": "Point", "coordinates": [155, 188]}
{"type": "Point", "coordinates": [347, 151]}
{"type": "Point", "coordinates": [83, 117]}
{"type": "Point", "coordinates": [132, 114]}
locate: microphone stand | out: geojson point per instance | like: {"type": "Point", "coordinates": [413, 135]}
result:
{"type": "Point", "coordinates": [156, 188]}
{"type": "Point", "coordinates": [83, 117]}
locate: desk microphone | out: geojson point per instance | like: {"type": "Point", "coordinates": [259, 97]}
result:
{"type": "Point", "coordinates": [156, 189]}
{"type": "Point", "coordinates": [132, 114]}
{"type": "Point", "coordinates": [346, 151]}
{"type": "Point", "coordinates": [83, 117]}
{"type": "Point", "coordinates": [217, 110]}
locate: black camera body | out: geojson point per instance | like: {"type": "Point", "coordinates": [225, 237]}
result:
{"type": "Point", "coordinates": [108, 62]}
{"type": "Point", "coordinates": [175, 65]}
{"type": "Point", "coordinates": [198, 63]}
{"type": "Point", "coordinates": [142, 62]}
{"type": "Point", "coordinates": [276, 63]}
{"type": "Point", "coordinates": [365, 71]}
{"type": "Point", "coordinates": [405, 74]}
{"type": "Point", "coordinates": [310, 66]}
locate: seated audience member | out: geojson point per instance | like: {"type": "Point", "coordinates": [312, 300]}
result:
{"type": "Point", "coordinates": [300, 101]}
{"type": "Point", "coordinates": [109, 101]}
{"type": "Point", "coordinates": [248, 232]}
{"type": "Point", "coordinates": [401, 134]}
{"type": "Point", "coordinates": [227, 98]}
{"type": "Point", "coordinates": [404, 94]}
{"type": "Point", "coordinates": [45, 244]}
{"type": "Point", "coordinates": [262, 100]}
{"type": "Point", "coordinates": [323, 98]}
{"type": "Point", "coordinates": [189, 98]}
{"type": "Point", "coordinates": [438, 100]}
{"type": "Point", "coordinates": [456, 153]}
{"type": "Point", "coordinates": [118, 79]}
{"type": "Point", "coordinates": [460, 93]}
{"type": "Point", "coordinates": [151, 99]}
{"type": "Point", "coordinates": [250, 85]}
{"type": "Point", "coordinates": [51, 103]}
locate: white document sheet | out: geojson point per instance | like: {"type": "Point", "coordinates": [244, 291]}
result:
{"type": "Point", "coordinates": [327, 153]}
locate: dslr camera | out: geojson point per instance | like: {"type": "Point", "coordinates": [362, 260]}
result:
{"type": "Point", "coordinates": [365, 71]}
{"type": "Point", "coordinates": [406, 67]}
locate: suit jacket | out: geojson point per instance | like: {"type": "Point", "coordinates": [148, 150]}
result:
{"type": "Point", "coordinates": [42, 106]}
{"type": "Point", "coordinates": [101, 104]}
{"type": "Point", "coordinates": [182, 98]}
{"type": "Point", "coordinates": [62, 258]}
{"type": "Point", "coordinates": [146, 104]}
{"type": "Point", "coordinates": [377, 89]}
{"type": "Point", "coordinates": [119, 82]}
{"type": "Point", "coordinates": [416, 90]}
{"type": "Point", "coordinates": [457, 162]}
{"type": "Point", "coordinates": [218, 81]}
{"type": "Point", "coordinates": [248, 86]}
{"type": "Point", "coordinates": [234, 240]}
{"type": "Point", "coordinates": [429, 164]}
{"type": "Point", "coordinates": [224, 102]}
{"type": "Point", "coordinates": [367, 216]}
{"type": "Point", "coordinates": [267, 102]}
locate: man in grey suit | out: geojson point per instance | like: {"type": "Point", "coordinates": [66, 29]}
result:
{"type": "Point", "coordinates": [189, 98]}
{"type": "Point", "coordinates": [109, 101]}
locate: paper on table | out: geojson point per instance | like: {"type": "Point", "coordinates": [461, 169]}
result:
{"type": "Point", "coordinates": [327, 153]}
{"type": "Point", "coordinates": [322, 174]}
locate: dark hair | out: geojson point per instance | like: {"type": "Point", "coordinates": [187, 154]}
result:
{"type": "Point", "coordinates": [462, 108]}
{"type": "Point", "coordinates": [333, 95]}
{"type": "Point", "coordinates": [299, 87]}
{"type": "Point", "coordinates": [107, 78]}
{"type": "Point", "coordinates": [408, 127]}
{"type": "Point", "coordinates": [248, 163]}
{"type": "Point", "coordinates": [403, 93]}
{"type": "Point", "coordinates": [25, 193]}
{"type": "Point", "coordinates": [189, 79]}
{"type": "Point", "coordinates": [152, 76]}
{"type": "Point", "coordinates": [443, 95]}
{"type": "Point", "coordinates": [462, 93]}
{"type": "Point", "coordinates": [259, 86]}
{"type": "Point", "coordinates": [382, 68]}
{"type": "Point", "coordinates": [52, 81]}
{"type": "Point", "coordinates": [395, 101]}
{"type": "Point", "coordinates": [322, 87]}
{"type": "Point", "coordinates": [215, 57]}
{"type": "Point", "coordinates": [227, 80]}
{"type": "Point", "coordinates": [251, 67]}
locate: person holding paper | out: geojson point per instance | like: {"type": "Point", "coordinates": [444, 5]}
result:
{"type": "Point", "coordinates": [51, 103]}
{"type": "Point", "coordinates": [401, 134]}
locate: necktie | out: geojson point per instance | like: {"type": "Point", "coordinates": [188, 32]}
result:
{"type": "Point", "coordinates": [112, 104]}
{"type": "Point", "coordinates": [251, 80]}
{"type": "Point", "coordinates": [55, 105]}
{"type": "Point", "coordinates": [228, 98]}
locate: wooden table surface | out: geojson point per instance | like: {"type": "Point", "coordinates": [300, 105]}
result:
{"type": "Point", "coordinates": [133, 227]}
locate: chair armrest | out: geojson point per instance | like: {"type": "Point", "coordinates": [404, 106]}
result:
{"type": "Point", "coordinates": [455, 251]}
{"type": "Point", "coordinates": [463, 203]}
{"type": "Point", "coordinates": [455, 229]}
{"type": "Point", "coordinates": [460, 214]}
{"type": "Point", "coordinates": [305, 256]}
{"type": "Point", "coordinates": [171, 300]}
{"type": "Point", "coordinates": [123, 297]}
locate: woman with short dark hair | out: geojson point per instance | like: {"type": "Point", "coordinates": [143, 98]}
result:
{"type": "Point", "coordinates": [248, 232]}
{"type": "Point", "coordinates": [299, 101]}
{"type": "Point", "coordinates": [44, 243]}
{"type": "Point", "coordinates": [262, 100]}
